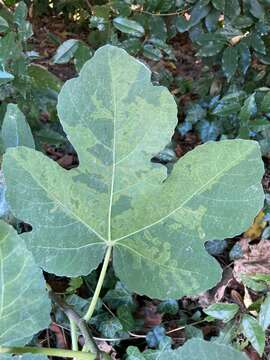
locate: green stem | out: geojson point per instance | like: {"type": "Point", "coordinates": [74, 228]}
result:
{"type": "Point", "coordinates": [79, 355]}
{"type": "Point", "coordinates": [93, 303]}
{"type": "Point", "coordinates": [74, 336]}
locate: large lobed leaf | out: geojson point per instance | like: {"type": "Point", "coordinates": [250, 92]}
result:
{"type": "Point", "coordinates": [24, 305]}
{"type": "Point", "coordinates": [195, 349]}
{"type": "Point", "coordinates": [117, 120]}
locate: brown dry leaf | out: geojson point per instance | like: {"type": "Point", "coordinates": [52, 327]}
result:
{"type": "Point", "coordinates": [217, 293]}
{"type": "Point", "coordinates": [255, 260]}
{"type": "Point", "coordinates": [257, 227]}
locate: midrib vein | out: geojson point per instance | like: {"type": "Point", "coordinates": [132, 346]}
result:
{"type": "Point", "coordinates": [113, 152]}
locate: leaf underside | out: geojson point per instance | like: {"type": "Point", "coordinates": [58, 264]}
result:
{"type": "Point", "coordinates": [24, 305]}
{"type": "Point", "coordinates": [117, 121]}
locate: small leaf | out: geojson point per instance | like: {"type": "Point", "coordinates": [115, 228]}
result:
{"type": "Point", "coordinates": [155, 336]}
{"type": "Point", "coordinates": [256, 9]}
{"type": "Point", "coordinates": [118, 296]}
{"type": "Point", "coordinates": [195, 113]}
{"type": "Point", "coordinates": [127, 26]}
{"type": "Point", "coordinates": [169, 306]}
{"type": "Point", "coordinates": [264, 315]}
{"type": "Point", "coordinates": [81, 55]}
{"type": "Point", "coordinates": [5, 76]}
{"type": "Point", "coordinates": [66, 51]}
{"type": "Point", "coordinates": [219, 4]}
{"type": "Point", "coordinates": [208, 130]}
{"type": "Point", "coordinates": [151, 52]}
{"type": "Point", "coordinates": [258, 44]}
{"type": "Point", "coordinates": [249, 109]}
{"type": "Point", "coordinates": [232, 9]}
{"type": "Point", "coordinates": [3, 24]}
{"type": "Point", "coordinates": [211, 20]}
{"type": "Point", "coordinates": [265, 105]}
{"type": "Point", "coordinates": [24, 305]}
{"type": "Point", "coordinates": [224, 312]}
{"type": "Point", "coordinates": [15, 130]}
{"type": "Point", "coordinates": [244, 57]}
{"type": "Point", "coordinates": [254, 333]}
{"type": "Point", "coordinates": [199, 11]}
{"type": "Point", "coordinates": [230, 62]}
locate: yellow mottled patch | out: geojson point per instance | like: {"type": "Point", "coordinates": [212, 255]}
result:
{"type": "Point", "coordinates": [257, 227]}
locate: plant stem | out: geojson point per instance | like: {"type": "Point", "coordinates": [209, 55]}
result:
{"type": "Point", "coordinates": [90, 344]}
{"type": "Point", "coordinates": [74, 335]}
{"type": "Point", "coordinates": [79, 355]}
{"type": "Point", "coordinates": [93, 303]}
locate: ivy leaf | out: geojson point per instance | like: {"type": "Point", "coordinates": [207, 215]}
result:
{"type": "Point", "coordinates": [24, 305]}
{"type": "Point", "coordinates": [127, 26]}
{"type": "Point", "coordinates": [15, 129]}
{"type": "Point", "coordinates": [254, 332]}
{"type": "Point", "coordinates": [224, 312]}
{"type": "Point", "coordinates": [169, 306]}
{"type": "Point", "coordinates": [230, 62]}
{"type": "Point", "coordinates": [66, 51]}
{"type": "Point", "coordinates": [113, 199]}
{"type": "Point", "coordinates": [264, 315]}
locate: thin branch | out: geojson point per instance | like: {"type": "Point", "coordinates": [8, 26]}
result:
{"type": "Point", "coordinates": [90, 6]}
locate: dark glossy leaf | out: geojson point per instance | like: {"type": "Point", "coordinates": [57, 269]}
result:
{"type": "Point", "coordinates": [244, 57]}
{"type": "Point", "coordinates": [3, 24]}
{"type": "Point", "coordinates": [230, 62]}
{"type": "Point", "coordinates": [169, 306]}
{"type": "Point", "coordinates": [232, 9]}
{"type": "Point", "coordinates": [224, 312]}
{"type": "Point", "coordinates": [249, 109]}
{"type": "Point", "coordinates": [242, 22]}
{"type": "Point", "coordinates": [199, 11]}
{"type": "Point", "coordinates": [208, 130]}
{"type": "Point", "coordinates": [66, 51]}
{"type": "Point", "coordinates": [155, 336]}
{"type": "Point", "coordinates": [211, 20]}
{"type": "Point", "coordinates": [265, 105]}
{"type": "Point", "coordinates": [258, 44]}
{"type": "Point", "coordinates": [118, 296]}
{"type": "Point", "coordinates": [124, 315]}
{"type": "Point", "coordinates": [157, 27]}
{"type": "Point", "coordinates": [151, 52]}
{"type": "Point", "coordinates": [81, 55]}
{"type": "Point", "coordinates": [216, 247]}
{"type": "Point", "coordinates": [254, 332]}
{"type": "Point", "coordinates": [219, 4]}
{"type": "Point", "coordinates": [256, 9]}
{"type": "Point", "coordinates": [195, 113]}
{"type": "Point", "coordinates": [127, 26]}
